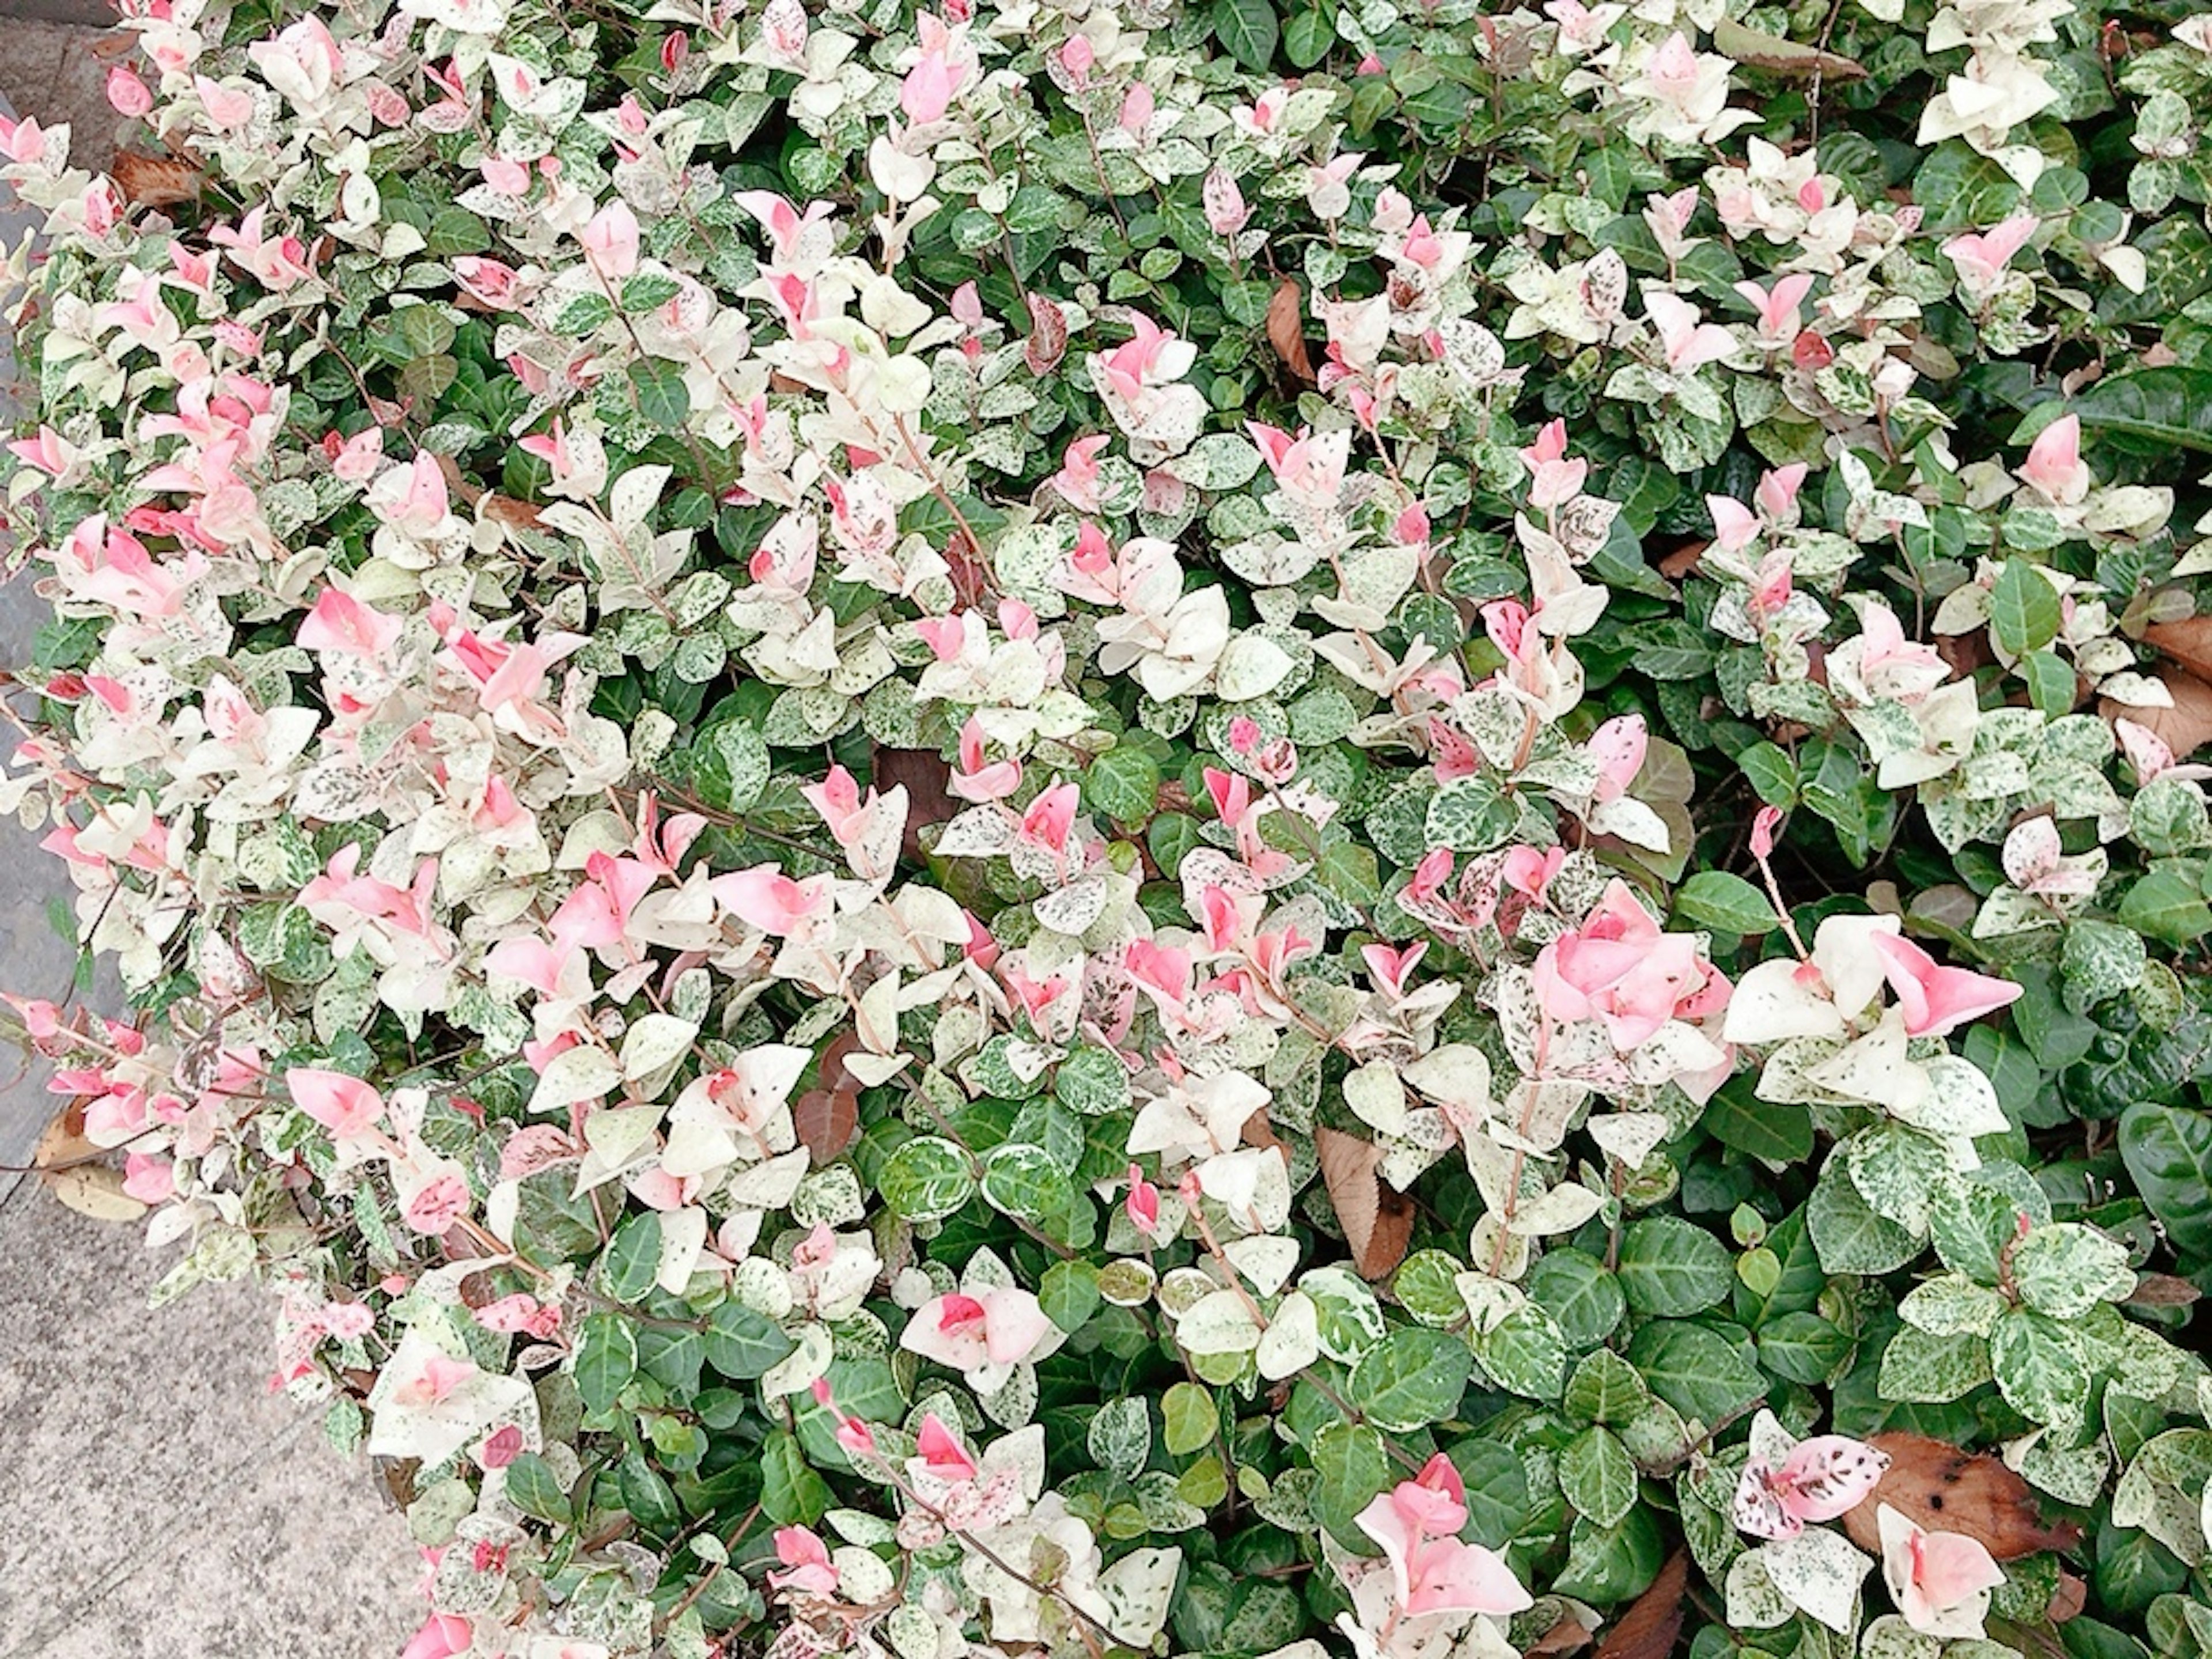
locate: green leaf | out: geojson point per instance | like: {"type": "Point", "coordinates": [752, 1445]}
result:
{"type": "Point", "coordinates": [1497, 1490]}
{"type": "Point", "coordinates": [1694, 1368]}
{"type": "Point", "coordinates": [1307, 37]}
{"type": "Point", "coordinates": [1091, 1080]}
{"type": "Point", "coordinates": [1771, 772]}
{"type": "Point", "coordinates": [1248, 29]}
{"type": "Point", "coordinates": [1802, 1347]}
{"type": "Point", "coordinates": [1605, 1388]}
{"type": "Point", "coordinates": [1411, 1379]}
{"type": "Point", "coordinates": [1673, 1268]}
{"type": "Point", "coordinates": [1119, 1437]}
{"type": "Point", "coordinates": [606, 1359]}
{"type": "Point", "coordinates": [1122, 784]}
{"type": "Point", "coordinates": [1352, 1467]}
{"type": "Point", "coordinates": [1850, 1237]}
{"type": "Point", "coordinates": [743, 1343]}
{"type": "Point", "coordinates": [1525, 1352]}
{"type": "Point", "coordinates": [671, 1358]}
{"type": "Point", "coordinates": [2167, 906]}
{"type": "Point", "coordinates": [2051, 683]}
{"type": "Point", "coordinates": [1585, 1300]}
{"type": "Point", "coordinates": [2024, 608]}
{"type": "Point", "coordinates": [1775, 1134]}
{"type": "Point", "coordinates": [1608, 1565]}
{"type": "Point", "coordinates": [648, 291]}
{"type": "Point", "coordinates": [633, 1259]}
{"type": "Point", "coordinates": [927, 1179]}
{"type": "Point", "coordinates": [1190, 1418]}
{"type": "Point", "coordinates": [2168, 1151]}
{"type": "Point", "coordinates": [646, 1494]}
{"type": "Point", "coordinates": [662, 397]}
{"type": "Point", "coordinates": [2065, 1269]}
{"type": "Point", "coordinates": [730, 765]}
{"type": "Point", "coordinates": [532, 1487]}
{"type": "Point", "coordinates": [792, 1494]}
{"type": "Point", "coordinates": [1597, 1476]}
{"type": "Point", "coordinates": [1724, 903]}
{"type": "Point", "coordinates": [2169, 407]}
{"type": "Point", "coordinates": [1069, 1294]}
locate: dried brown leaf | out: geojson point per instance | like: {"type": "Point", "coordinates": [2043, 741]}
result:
{"type": "Point", "coordinates": [1568, 1635]}
{"type": "Point", "coordinates": [154, 180]}
{"type": "Point", "coordinates": [1944, 1489]}
{"type": "Point", "coordinates": [2183, 728]}
{"type": "Point", "coordinates": [2188, 642]}
{"type": "Point", "coordinates": [517, 514]}
{"type": "Point", "coordinates": [63, 1141]}
{"type": "Point", "coordinates": [1259, 1132]}
{"type": "Point", "coordinates": [1286, 322]}
{"type": "Point", "coordinates": [1648, 1629]}
{"type": "Point", "coordinates": [1378, 1219]}
{"type": "Point", "coordinates": [93, 1189]}
{"type": "Point", "coordinates": [2067, 1598]}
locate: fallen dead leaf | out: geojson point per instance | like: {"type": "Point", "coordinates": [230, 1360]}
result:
{"type": "Point", "coordinates": [1568, 1635]}
{"type": "Point", "coordinates": [1962, 654]}
{"type": "Point", "coordinates": [2183, 728]}
{"type": "Point", "coordinates": [1258, 1132]}
{"type": "Point", "coordinates": [2066, 1599]}
{"type": "Point", "coordinates": [1286, 322]}
{"type": "Point", "coordinates": [62, 1140]}
{"type": "Point", "coordinates": [2188, 642]}
{"type": "Point", "coordinates": [507, 510]}
{"type": "Point", "coordinates": [154, 180]}
{"type": "Point", "coordinates": [1944, 1489]}
{"type": "Point", "coordinates": [1648, 1629]}
{"type": "Point", "coordinates": [93, 1189]}
{"type": "Point", "coordinates": [1682, 561]}
{"type": "Point", "coordinates": [1378, 1218]}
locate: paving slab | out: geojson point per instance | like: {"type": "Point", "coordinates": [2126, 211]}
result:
{"type": "Point", "coordinates": [156, 1502]}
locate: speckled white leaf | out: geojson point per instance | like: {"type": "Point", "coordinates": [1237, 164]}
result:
{"type": "Point", "coordinates": [1818, 1572]}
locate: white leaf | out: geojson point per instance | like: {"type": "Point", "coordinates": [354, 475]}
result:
{"type": "Point", "coordinates": [1820, 1573]}
{"type": "Point", "coordinates": [1562, 1210]}
{"type": "Point", "coordinates": [1374, 1093]}
{"type": "Point", "coordinates": [1292, 1340]}
{"type": "Point", "coordinates": [683, 1239]}
{"type": "Point", "coordinates": [1266, 1260]}
{"type": "Point", "coordinates": [1219, 1323]}
{"type": "Point", "coordinates": [1251, 666]}
{"type": "Point", "coordinates": [1457, 1075]}
{"type": "Point", "coordinates": [585, 1072]}
{"type": "Point", "coordinates": [652, 1044]}
{"type": "Point", "coordinates": [1137, 1589]}
{"type": "Point", "coordinates": [633, 495]}
{"type": "Point", "coordinates": [613, 1140]}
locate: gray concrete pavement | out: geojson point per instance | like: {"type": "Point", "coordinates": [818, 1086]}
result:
{"type": "Point", "coordinates": [156, 1501]}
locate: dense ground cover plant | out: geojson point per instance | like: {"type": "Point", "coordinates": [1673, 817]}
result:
{"type": "Point", "coordinates": [1051, 828]}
